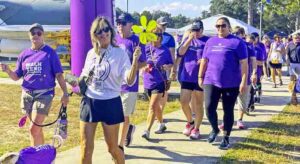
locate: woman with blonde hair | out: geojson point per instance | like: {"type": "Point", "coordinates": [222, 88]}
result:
{"type": "Point", "coordinates": [275, 59]}
{"type": "Point", "coordinates": [107, 67]}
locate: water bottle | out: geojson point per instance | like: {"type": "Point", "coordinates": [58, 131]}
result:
{"type": "Point", "coordinates": [63, 124]}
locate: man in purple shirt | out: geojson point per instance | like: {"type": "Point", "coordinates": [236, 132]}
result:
{"type": "Point", "coordinates": [191, 52]}
{"type": "Point", "coordinates": [168, 41]}
{"type": "Point", "coordinates": [223, 72]}
{"type": "Point", "coordinates": [39, 66]}
{"type": "Point", "coordinates": [126, 40]}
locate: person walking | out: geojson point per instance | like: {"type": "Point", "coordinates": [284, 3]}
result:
{"type": "Point", "coordinates": [275, 59]}
{"type": "Point", "coordinates": [126, 40]}
{"type": "Point", "coordinates": [190, 52]}
{"type": "Point", "coordinates": [293, 54]}
{"type": "Point", "coordinates": [169, 42]}
{"type": "Point", "coordinates": [223, 74]}
{"type": "Point", "coordinates": [159, 60]}
{"type": "Point", "coordinates": [107, 67]}
{"type": "Point", "coordinates": [39, 66]}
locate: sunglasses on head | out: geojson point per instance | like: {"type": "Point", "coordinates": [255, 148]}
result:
{"type": "Point", "coordinates": [123, 23]}
{"type": "Point", "coordinates": [38, 33]}
{"type": "Point", "coordinates": [99, 31]}
{"type": "Point", "coordinates": [221, 25]}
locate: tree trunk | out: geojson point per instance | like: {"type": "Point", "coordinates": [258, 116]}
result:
{"type": "Point", "coordinates": [250, 12]}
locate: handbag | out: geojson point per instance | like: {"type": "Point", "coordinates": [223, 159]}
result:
{"type": "Point", "coordinates": [83, 81]}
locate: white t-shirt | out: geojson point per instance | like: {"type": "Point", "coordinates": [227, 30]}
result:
{"type": "Point", "coordinates": [109, 74]}
{"type": "Point", "coordinates": [276, 56]}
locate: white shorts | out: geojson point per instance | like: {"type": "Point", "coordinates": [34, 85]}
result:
{"type": "Point", "coordinates": [294, 69]}
{"type": "Point", "coordinates": [243, 99]}
{"type": "Point", "coordinates": [128, 101]}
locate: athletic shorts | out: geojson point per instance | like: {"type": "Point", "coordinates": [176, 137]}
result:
{"type": "Point", "coordinates": [160, 88]}
{"type": "Point", "coordinates": [191, 86]}
{"type": "Point", "coordinates": [275, 66]}
{"type": "Point", "coordinates": [243, 99]}
{"type": "Point", "coordinates": [108, 111]}
{"type": "Point", "coordinates": [129, 101]}
{"type": "Point", "coordinates": [39, 104]}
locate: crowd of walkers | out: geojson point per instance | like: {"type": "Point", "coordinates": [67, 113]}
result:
{"type": "Point", "coordinates": [228, 67]}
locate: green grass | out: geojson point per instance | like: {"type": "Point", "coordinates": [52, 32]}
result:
{"type": "Point", "coordinates": [275, 142]}
{"type": "Point", "coordinates": [13, 138]}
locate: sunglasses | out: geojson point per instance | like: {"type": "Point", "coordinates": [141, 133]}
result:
{"type": "Point", "coordinates": [121, 23]}
{"type": "Point", "coordinates": [221, 25]}
{"type": "Point", "coordinates": [38, 33]}
{"type": "Point", "coordinates": [99, 31]}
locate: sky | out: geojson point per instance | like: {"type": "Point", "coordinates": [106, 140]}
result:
{"type": "Point", "coordinates": [189, 8]}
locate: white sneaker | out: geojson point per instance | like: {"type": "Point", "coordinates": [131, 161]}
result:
{"type": "Point", "coordinates": [161, 129]}
{"type": "Point", "coordinates": [146, 135]}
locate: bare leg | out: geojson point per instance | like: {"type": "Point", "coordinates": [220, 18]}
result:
{"type": "Point", "coordinates": [87, 136]}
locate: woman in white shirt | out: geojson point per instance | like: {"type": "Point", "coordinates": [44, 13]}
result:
{"type": "Point", "coordinates": [275, 58]}
{"type": "Point", "coordinates": [110, 66]}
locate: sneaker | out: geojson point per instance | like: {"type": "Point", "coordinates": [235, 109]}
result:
{"type": "Point", "coordinates": [224, 145]}
{"type": "Point", "coordinates": [129, 136]}
{"type": "Point", "coordinates": [146, 135]}
{"type": "Point", "coordinates": [221, 126]}
{"type": "Point", "coordinates": [188, 128]}
{"type": "Point", "coordinates": [195, 134]}
{"type": "Point", "coordinates": [212, 136]}
{"type": "Point", "coordinates": [240, 124]}
{"type": "Point", "coordinates": [252, 108]}
{"type": "Point", "coordinates": [161, 129]}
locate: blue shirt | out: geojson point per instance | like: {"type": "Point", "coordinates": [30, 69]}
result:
{"type": "Point", "coordinates": [168, 40]}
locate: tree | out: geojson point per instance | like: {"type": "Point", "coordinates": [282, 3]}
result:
{"type": "Point", "coordinates": [289, 8]}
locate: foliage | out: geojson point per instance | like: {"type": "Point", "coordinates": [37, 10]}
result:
{"type": "Point", "coordinates": [275, 142]}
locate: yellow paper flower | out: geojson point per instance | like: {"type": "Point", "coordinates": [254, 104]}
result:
{"type": "Point", "coordinates": [145, 33]}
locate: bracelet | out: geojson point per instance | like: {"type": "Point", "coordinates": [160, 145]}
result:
{"type": "Point", "coordinates": [200, 77]}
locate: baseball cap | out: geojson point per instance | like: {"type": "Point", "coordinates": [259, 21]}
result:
{"type": "Point", "coordinates": [125, 17]}
{"type": "Point", "coordinates": [255, 34]}
{"type": "Point", "coordinates": [197, 25]}
{"type": "Point", "coordinates": [162, 21]}
{"type": "Point", "coordinates": [36, 25]}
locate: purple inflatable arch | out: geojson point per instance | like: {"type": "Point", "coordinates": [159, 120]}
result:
{"type": "Point", "coordinates": [83, 12]}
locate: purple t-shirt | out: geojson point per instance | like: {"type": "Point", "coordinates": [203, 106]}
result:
{"type": "Point", "coordinates": [224, 55]}
{"type": "Point", "coordinates": [189, 63]}
{"type": "Point", "coordinates": [128, 45]}
{"type": "Point", "coordinates": [260, 52]}
{"type": "Point", "coordinates": [251, 53]}
{"type": "Point", "coordinates": [263, 51]}
{"type": "Point", "coordinates": [159, 57]}
{"type": "Point", "coordinates": [38, 68]}
{"type": "Point", "coordinates": [43, 154]}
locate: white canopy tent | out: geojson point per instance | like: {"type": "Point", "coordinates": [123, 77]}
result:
{"type": "Point", "coordinates": [298, 31]}
{"type": "Point", "coordinates": [210, 29]}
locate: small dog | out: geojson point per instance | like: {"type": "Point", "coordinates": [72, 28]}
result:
{"type": "Point", "coordinates": [43, 154]}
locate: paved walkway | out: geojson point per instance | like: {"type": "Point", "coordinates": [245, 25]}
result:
{"type": "Point", "coordinates": [174, 147]}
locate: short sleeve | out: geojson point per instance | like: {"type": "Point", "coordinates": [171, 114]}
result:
{"type": "Point", "coordinates": [143, 55]}
{"type": "Point", "coordinates": [88, 63]}
{"type": "Point", "coordinates": [55, 63]}
{"type": "Point", "coordinates": [125, 67]}
{"type": "Point", "coordinates": [18, 70]}
{"type": "Point", "coordinates": [171, 42]}
{"type": "Point", "coordinates": [242, 51]}
{"type": "Point", "coordinates": [169, 59]}
{"type": "Point", "coordinates": [205, 51]}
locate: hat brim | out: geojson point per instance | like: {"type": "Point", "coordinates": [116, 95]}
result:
{"type": "Point", "coordinates": [36, 27]}
{"type": "Point", "coordinates": [163, 23]}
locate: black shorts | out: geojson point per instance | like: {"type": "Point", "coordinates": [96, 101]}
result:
{"type": "Point", "coordinates": [275, 66]}
{"type": "Point", "coordinates": [190, 86]}
{"type": "Point", "coordinates": [160, 88]}
{"type": "Point", "coordinates": [108, 111]}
